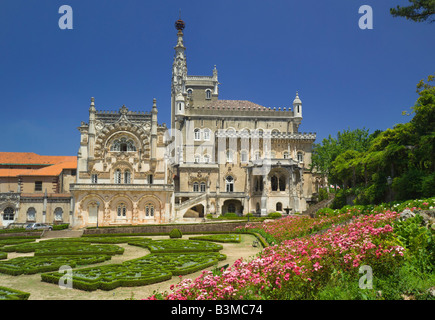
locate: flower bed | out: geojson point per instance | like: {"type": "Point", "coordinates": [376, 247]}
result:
{"type": "Point", "coordinates": [12, 294]}
{"type": "Point", "coordinates": [219, 238]}
{"type": "Point", "coordinates": [297, 268]}
{"type": "Point", "coordinates": [32, 265]}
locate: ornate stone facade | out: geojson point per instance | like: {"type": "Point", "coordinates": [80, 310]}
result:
{"type": "Point", "coordinates": [122, 176]}
{"type": "Point", "coordinates": [219, 156]}
{"type": "Point", "coordinates": [234, 155]}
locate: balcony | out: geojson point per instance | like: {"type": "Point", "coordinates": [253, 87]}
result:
{"type": "Point", "coordinates": [119, 187]}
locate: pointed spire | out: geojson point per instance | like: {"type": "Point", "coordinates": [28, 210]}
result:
{"type": "Point", "coordinates": [297, 100]}
{"type": "Point", "coordinates": [154, 110]}
{"type": "Point", "coordinates": [92, 107]}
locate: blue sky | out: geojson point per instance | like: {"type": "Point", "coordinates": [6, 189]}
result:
{"type": "Point", "coordinates": [121, 52]}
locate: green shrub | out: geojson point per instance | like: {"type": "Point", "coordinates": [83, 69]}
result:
{"type": "Point", "coordinates": [230, 215]}
{"type": "Point", "coordinates": [175, 234]}
{"type": "Point", "coordinates": [62, 226]}
{"type": "Point", "coordinates": [274, 215]}
{"type": "Point", "coordinates": [12, 294]}
{"type": "Point", "coordinates": [3, 255]}
{"type": "Point", "coordinates": [323, 194]}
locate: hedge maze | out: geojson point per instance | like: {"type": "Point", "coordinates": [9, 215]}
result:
{"type": "Point", "coordinates": [219, 238]}
{"type": "Point", "coordinates": [168, 257]}
{"type": "Point", "coordinates": [176, 245]}
{"type": "Point", "coordinates": [31, 265]}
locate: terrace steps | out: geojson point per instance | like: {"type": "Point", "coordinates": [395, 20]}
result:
{"type": "Point", "coordinates": [311, 211]}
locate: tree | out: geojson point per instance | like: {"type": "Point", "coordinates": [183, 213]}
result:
{"type": "Point", "coordinates": [418, 11]}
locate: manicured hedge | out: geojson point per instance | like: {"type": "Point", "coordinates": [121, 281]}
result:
{"type": "Point", "coordinates": [62, 226]}
{"type": "Point", "coordinates": [3, 255]}
{"type": "Point", "coordinates": [80, 249]}
{"type": "Point", "coordinates": [32, 265]}
{"type": "Point", "coordinates": [219, 238]}
{"type": "Point", "coordinates": [177, 245]}
{"type": "Point", "coordinates": [57, 247]}
{"type": "Point", "coordinates": [13, 294]}
{"type": "Point", "coordinates": [7, 242]}
{"type": "Point", "coordinates": [111, 276]}
{"type": "Point", "coordinates": [108, 240]}
{"type": "Point", "coordinates": [175, 234]}
{"type": "Point", "coordinates": [138, 272]}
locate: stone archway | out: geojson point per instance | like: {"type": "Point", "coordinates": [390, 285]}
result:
{"type": "Point", "coordinates": [195, 212]}
{"type": "Point", "coordinates": [232, 206]}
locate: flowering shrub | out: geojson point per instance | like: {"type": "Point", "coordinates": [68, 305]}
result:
{"type": "Point", "coordinates": [297, 268]}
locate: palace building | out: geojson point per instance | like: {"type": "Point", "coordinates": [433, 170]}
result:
{"type": "Point", "coordinates": [218, 157]}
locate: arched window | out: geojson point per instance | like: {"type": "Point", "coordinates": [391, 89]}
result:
{"type": "Point", "coordinates": [195, 187]}
{"type": "Point", "coordinates": [123, 144]}
{"type": "Point", "coordinates": [127, 176]}
{"type": "Point", "coordinates": [208, 94]}
{"type": "Point", "coordinates": [31, 214]}
{"type": "Point", "coordinates": [206, 134]}
{"type": "Point", "coordinates": [300, 157]}
{"type": "Point", "coordinates": [286, 155]}
{"type": "Point", "coordinates": [231, 208]}
{"type": "Point", "coordinates": [197, 134]}
{"type": "Point", "coordinates": [118, 177]}
{"type": "Point", "coordinates": [202, 186]}
{"type": "Point", "coordinates": [58, 214]}
{"type": "Point", "coordinates": [278, 206]}
{"type": "Point", "coordinates": [244, 156]}
{"type": "Point", "coordinates": [229, 184]}
{"type": "Point", "coordinates": [197, 158]}
{"type": "Point", "coordinates": [149, 210]}
{"type": "Point", "coordinates": [189, 93]}
{"type": "Point", "coordinates": [8, 214]}
{"type": "Point", "coordinates": [274, 183]}
{"type": "Point", "coordinates": [282, 183]}
{"type": "Point", "coordinates": [257, 155]}
{"type": "Point", "coordinates": [122, 210]}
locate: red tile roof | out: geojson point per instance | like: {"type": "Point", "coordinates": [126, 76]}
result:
{"type": "Point", "coordinates": [28, 158]}
{"type": "Point", "coordinates": [52, 165]}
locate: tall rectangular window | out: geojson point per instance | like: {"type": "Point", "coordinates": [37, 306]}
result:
{"type": "Point", "coordinates": [38, 185]}
{"type": "Point", "coordinates": [94, 178]}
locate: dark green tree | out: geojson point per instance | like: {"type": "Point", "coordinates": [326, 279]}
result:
{"type": "Point", "coordinates": [418, 11]}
